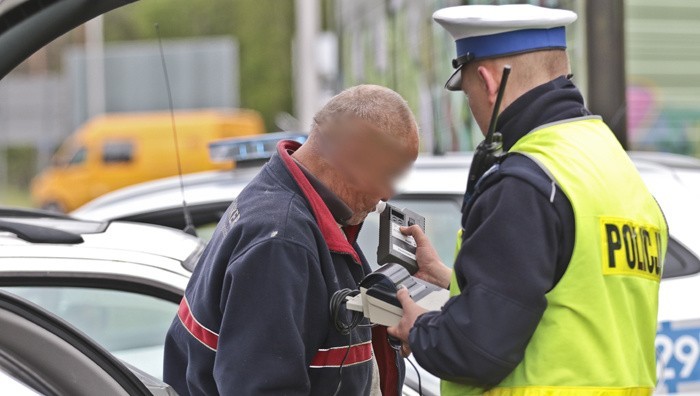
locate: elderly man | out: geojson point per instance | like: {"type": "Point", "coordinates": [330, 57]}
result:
{"type": "Point", "coordinates": [555, 288]}
{"type": "Point", "coordinates": [255, 318]}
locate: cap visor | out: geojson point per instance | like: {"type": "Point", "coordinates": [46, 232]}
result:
{"type": "Point", "coordinates": [454, 83]}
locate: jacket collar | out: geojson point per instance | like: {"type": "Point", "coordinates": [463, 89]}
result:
{"type": "Point", "coordinates": [553, 101]}
{"type": "Point", "coordinates": [336, 240]}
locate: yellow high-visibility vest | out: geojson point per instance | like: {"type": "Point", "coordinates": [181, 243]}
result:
{"type": "Point", "coordinates": [596, 336]}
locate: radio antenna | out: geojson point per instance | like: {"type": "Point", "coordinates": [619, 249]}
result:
{"type": "Point", "coordinates": [189, 224]}
{"type": "Point", "coordinates": [491, 148]}
{"type": "Point", "coordinates": [497, 105]}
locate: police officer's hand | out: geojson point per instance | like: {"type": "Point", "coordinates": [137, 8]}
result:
{"type": "Point", "coordinates": [430, 268]}
{"type": "Point", "coordinates": [411, 311]}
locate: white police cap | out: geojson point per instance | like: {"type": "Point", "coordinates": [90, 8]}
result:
{"type": "Point", "coordinates": [491, 31]}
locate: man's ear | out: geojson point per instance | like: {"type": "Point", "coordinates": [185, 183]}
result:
{"type": "Point", "coordinates": [488, 83]}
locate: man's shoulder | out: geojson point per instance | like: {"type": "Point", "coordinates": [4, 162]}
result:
{"type": "Point", "coordinates": [269, 208]}
{"type": "Point", "coordinates": [269, 200]}
{"type": "Point", "coordinates": [265, 217]}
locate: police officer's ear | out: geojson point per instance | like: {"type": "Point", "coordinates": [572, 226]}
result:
{"type": "Point", "coordinates": [488, 82]}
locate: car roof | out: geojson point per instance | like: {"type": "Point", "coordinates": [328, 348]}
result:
{"type": "Point", "coordinates": [199, 189]}
{"type": "Point", "coordinates": [445, 174]}
{"type": "Point", "coordinates": [144, 244]}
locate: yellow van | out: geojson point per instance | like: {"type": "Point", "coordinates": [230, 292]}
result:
{"type": "Point", "coordinates": [117, 150]}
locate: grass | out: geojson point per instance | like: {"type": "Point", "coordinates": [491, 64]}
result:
{"type": "Point", "coordinates": [14, 196]}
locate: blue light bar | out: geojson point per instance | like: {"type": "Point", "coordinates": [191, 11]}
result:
{"type": "Point", "coordinates": [251, 148]}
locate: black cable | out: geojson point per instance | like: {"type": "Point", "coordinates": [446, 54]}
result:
{"type": "Point", "coordinates": [396, 346]}
{"type": "Point", "coordinates": [338, 300]}
{"type": "Point", "coordinates": [340, 368]}
{"type": "Point", "coordinates": [342, 363]}
{"type": "Point", "coordinates": [420, 386]}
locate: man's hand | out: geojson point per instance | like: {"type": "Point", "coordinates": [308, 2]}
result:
{"type": "Point", "coordinates": [430, 268]}
{"type": "Point", "coordinates": [411, 311]}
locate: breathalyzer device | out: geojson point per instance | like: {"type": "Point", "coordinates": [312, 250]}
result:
{"type": "Point", "coordinates": [376, 298]}
{"type": "Point", "coordinates": [395, 247]}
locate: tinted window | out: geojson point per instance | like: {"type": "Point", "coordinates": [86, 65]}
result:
{"type": "Point", "coordinates": [117, 152]}
{"type": "Point", "coordinates": [442, 221]}
{"type": "Point", "coordinates": [132, 326]}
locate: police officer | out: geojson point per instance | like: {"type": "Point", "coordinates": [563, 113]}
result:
{"type": "Point", "coordinates": [555, 286]}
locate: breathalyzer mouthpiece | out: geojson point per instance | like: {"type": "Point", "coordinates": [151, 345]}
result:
{"type": "Point", "coordinates": [381, 205]}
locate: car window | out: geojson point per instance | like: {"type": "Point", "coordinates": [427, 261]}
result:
{"type": "Point", "coordinates": [442, 221]}
{"type": "Point", "coordinates": [132, 326]}
{"type": "Point", "coordinates": [116, 152]}
{"type": "Point", "coordinates": [79, 157]}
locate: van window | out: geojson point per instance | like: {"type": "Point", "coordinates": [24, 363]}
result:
{"type": "Point", "coordinates": [78, 158]}
{"type": "Point", "coordinates": [117, 152]}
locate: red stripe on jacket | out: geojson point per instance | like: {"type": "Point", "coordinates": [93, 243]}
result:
{"type": "Point", "coordinates": [334, 357]}
{"type": "Point", "coordinates": [199, 332]}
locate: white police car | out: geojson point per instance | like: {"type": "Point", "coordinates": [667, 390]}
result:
{"type": "Point", "coordinates": [434, 188]}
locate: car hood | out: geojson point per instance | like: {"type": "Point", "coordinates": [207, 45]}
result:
{"type": "Point", "coordinates": [28, 25]}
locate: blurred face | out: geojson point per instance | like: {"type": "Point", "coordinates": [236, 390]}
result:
{"type": "Point", "coordinates": [367, 164]}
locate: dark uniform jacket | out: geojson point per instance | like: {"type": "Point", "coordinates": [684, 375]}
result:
{"type": "Point", "coordinates": [255, 316]}
{"type": "Point", "coordinates": [516, 246]}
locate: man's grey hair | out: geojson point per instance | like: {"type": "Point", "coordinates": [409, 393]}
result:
{"type": "Point", "coordinates": [377, 105]}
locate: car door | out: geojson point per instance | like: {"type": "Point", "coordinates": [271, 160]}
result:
{"type": "Point", "coordinates": [28, 25]}
{"type": "Point", "coordinates": [678, 332]}
{"type": "Point", "coordinates": [126, 313]}
{"type": "Point", "coordinates": [48, 356]}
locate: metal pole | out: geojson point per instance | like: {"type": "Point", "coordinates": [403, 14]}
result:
{"type": "Point", "coordinates": [307, 15]}
{"type": "Point", "coordinates": [605, 44]}
{"type": "Point", "coordinates": [95, 67]}
{"type": "Point", "coordinates": [340, 31]}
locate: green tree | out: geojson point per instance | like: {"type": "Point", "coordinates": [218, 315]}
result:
{"type": "Point", "coordinates": [264, 30]}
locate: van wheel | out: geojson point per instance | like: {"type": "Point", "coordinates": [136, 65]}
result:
{"type": "Point", "coordinates": [54, 207]}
